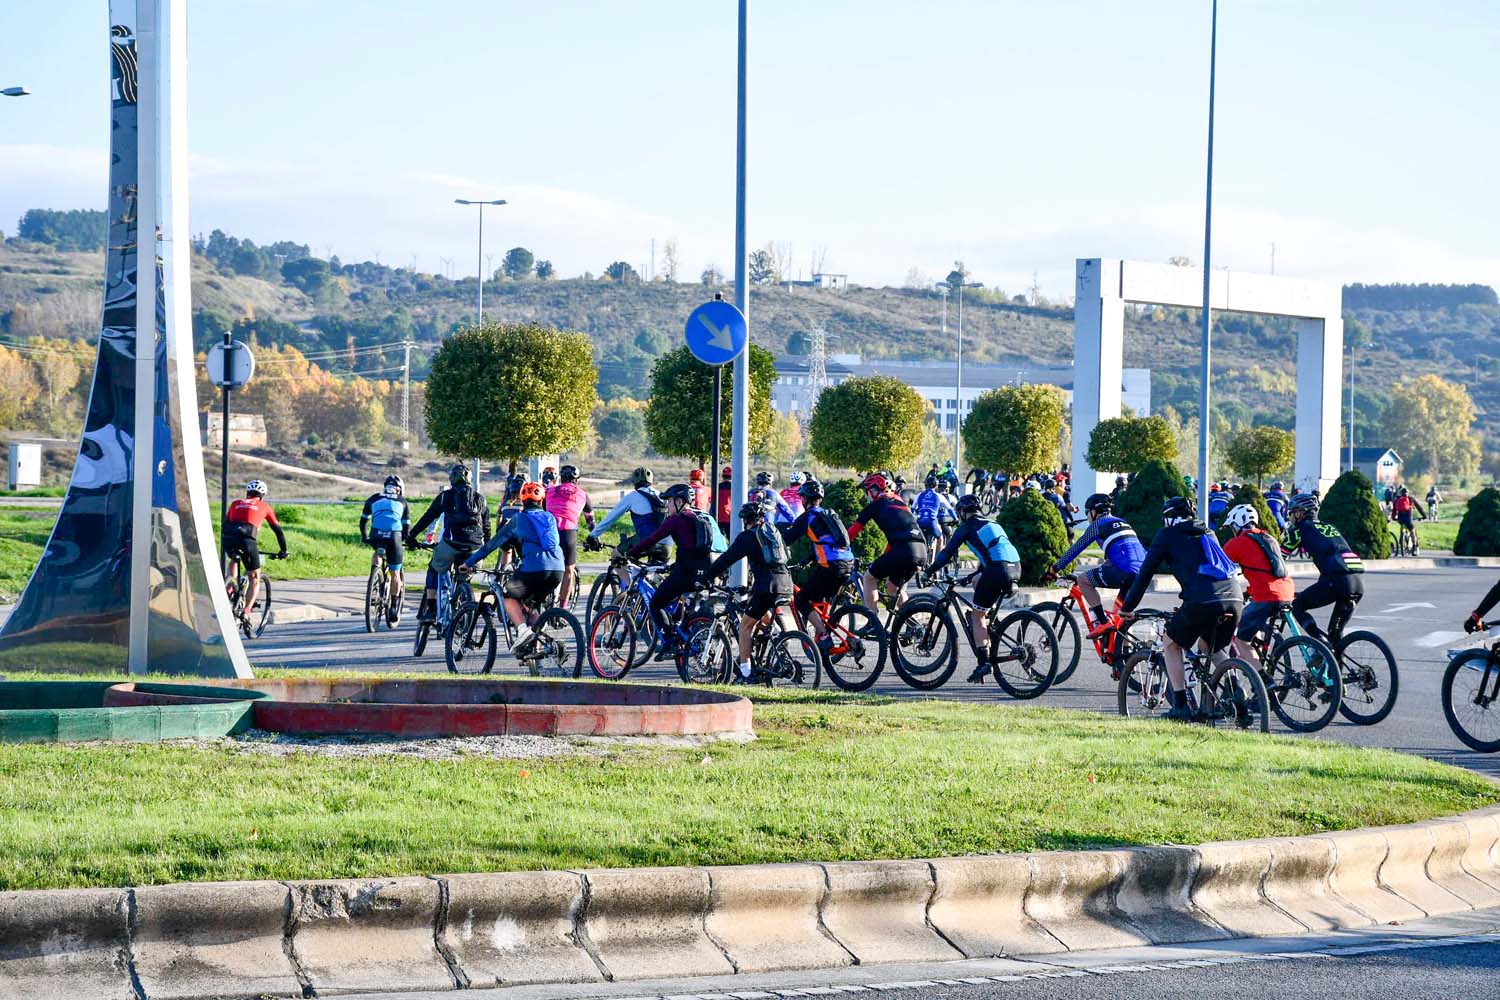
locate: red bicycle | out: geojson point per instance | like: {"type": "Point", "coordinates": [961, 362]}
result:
{"type": "Point", "coordinates": [855, 649]}
{"type": "Point", "coordinates": [1063, 616]}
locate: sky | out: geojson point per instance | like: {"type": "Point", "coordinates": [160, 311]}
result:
{"type": "Point", "coordinates": [1357, 137]}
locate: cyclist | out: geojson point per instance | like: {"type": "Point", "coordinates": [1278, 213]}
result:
{"type": "Point", "coordinates": [765, 493]}
{"type": "Point", "coordinates": [568, 502]}
{"type": "Point", "coordinates": [382, 524]}
{"type": "Point", "coordinates": [724, 499]}
{"type": "Point", "coordinates": [792, 495]}
{"type": "Point", "coordinates": [692, 533]}
{"type": "Point", "coordinates": [549, 477]}
{"type": "Point", "coordinates": [906, 547]}
{"type": "Point", "coordinates": [1258, 554]}
{"type": "Point", "coordinates": [1052, 495]}
{"type": "Point", "coordinates": [930, 509]}
{"type": "Point", "coordinates": [1276, 501]}
{"type": "Point", "coordinates": [1123, 555]}
{"type": "Point", "coordinates": [1401, 512]}
{"type": "Point", "coordinates": [832, 555]}
{"type": "Point", "coordinates": [646, 508]}
{"type": "Point", "coordinates": [1433, 499]}
{"type": "Point", "coordinates": [1218, 503]}
{"type": "Point", "coordinates": [1121, 483]}
{"type": "Point", "coordinates": [999, 569]}
{"type": "Point", "coordinates": [949, 474]}
{"type": "Point", "coordinates": [977, 480]}
{"type": "Point", "coordinates": [1211, 595]}
{"type": "Point", "coordinates": [242, 523]}
{"type": "Point", "coordinates": [763, 548]}
{"type": "Point", "coordinates": [542, 566]}
{"type": "Point", "coordinates": [1475, 622]}
{"type": "Point", "coordinates": [466, 526]}
{"type": "Point", "coordinates": [702, 498]}
{"type": "Point", "coordinates": [1339, 570]}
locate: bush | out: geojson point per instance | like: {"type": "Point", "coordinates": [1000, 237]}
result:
{"type": "Point", "coordinates": [1479, 531]}
{"type": "Point", "coordinates": [1142, 500]}
{"type": "Point", "coordinates": [1351, 507]}
{"type": "Point", "coordinates": [845, 498]}
{"type": "Point", "coordinates": [871, 422]}
{"type": "Point", "coordinates": [1252, 496]}
{"type": "Point", "coordinates": [291, 515]}
{"type": "Point", "coordinates": [398, 462]}
{"type": "Point", "coordinates": [1037, 531]}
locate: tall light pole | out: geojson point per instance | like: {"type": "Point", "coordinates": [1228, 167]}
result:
{"type": "Point", "coordinates": [479, 262]}
{"type": "Point", "coordinates": [1208, 216]}
{"type": "Point", "coordinates": [739, 449]}
{"type": "Point", "coordinates": [14, 92]}
{"type": "Point", "coordinates": [958, 376]}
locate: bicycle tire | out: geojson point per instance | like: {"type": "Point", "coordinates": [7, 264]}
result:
{"type": "Point", "coordinates": [1239, 697]}
{"type": "Point", "coordinates": [420, 644]}
{"type": "Point", "coordinates": [374, 605]}
{"type": "Point", "coordinates": [1305, 688]}
{"type": "Point", "coordinates": [1069, 637]}
{"type": "Point", "coordinates": [260, 618]}
{"type": "Point", "coordinates": [610, 635]}
{"type": "Point", "coordinates": [1141, 691]}
{"type": "Point", "coordinates": [604, 593]}
{"type": "Point", "coordinates": [558, 649]}
{"type": "Point", "coordinates": [1028, 635]}
{"type": "Point", "coordinates": [709, 655]}
{"type": "Point", "coordinates": [856, 627]}
{"type": "Point", "coordinates": [923, 627]}
{"type": "Point", "coordinates": [636, 611]}
{"type": "Point", "coordinates": [795, 657]}
{"type": "Point", "coordinates": [470, 640]}
{"type": "Point", "coordinates": [1361, 703]}
{"type": "Point", "coordinates": [1461, 671]}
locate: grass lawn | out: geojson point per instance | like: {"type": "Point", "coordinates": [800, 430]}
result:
{"type": "Point", "coordinates": [1438, 535]}
{"type": "Point", "coordinates": [830, 777]}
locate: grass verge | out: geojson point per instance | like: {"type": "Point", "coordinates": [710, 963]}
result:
{"type": "Point", "coordinates": [830, 777]}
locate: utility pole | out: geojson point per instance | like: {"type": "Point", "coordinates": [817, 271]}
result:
{"type": "Point", "coordinates": [651, 270]}
{"type": "Point", "coordinates": [817, 369]}
{"type": "Point", "coordinates": [740, 410]}
{"type": "Point", "coordinates": [1204, 418]}
{"type": "Point", "coordinates": [407, 344]}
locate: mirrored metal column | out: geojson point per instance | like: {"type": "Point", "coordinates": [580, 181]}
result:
{"type": "Point", "coordinates": [129, 580]}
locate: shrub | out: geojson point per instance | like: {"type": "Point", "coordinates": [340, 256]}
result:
{"type": "Point", "coordinates": [1142, 500]}
{"type": "Point", "coordinates": [291, 515]}
{"type": "Point", "coordinates": [1479, 531]}
{"type": "Point", "coordinates": [845, 498]}
{"type": "Point", "coordinates": [1252, 496]}
{"type": "Point", "coordinates": [398, 462]}
{"type": "Point", "coordinates": [1037, 530]}
{"type": "Point", "coordinates": [1351, 507]}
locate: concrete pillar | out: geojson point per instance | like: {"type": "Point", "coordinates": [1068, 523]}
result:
{"type": "Point", "coordinates": [1098, 361]}
{"type": "Point", "coordinates": [1320, 347]}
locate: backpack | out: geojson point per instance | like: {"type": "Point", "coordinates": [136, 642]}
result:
{"type": "Point", "coordinates": [543, 530]}
{"type": "Point", "coordinates": [772, 545]}
{"type": "Point", "coordinates": [658, 505]}
{"type": "Point", "coordinates": [1272, 550]}
{"type": "Point", "coordinates": [708, 537]}
{"type": "Point", "coordinates": [1216, 565]}
{"type": "Point", "coordinates": [460, 507]}
{"type": "Point", "coordinates": [838, 535]}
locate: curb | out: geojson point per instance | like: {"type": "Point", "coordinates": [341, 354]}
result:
{"type": "Point", "coordinates": [292, 614]}
{"type": "Point", "coordinates": [246, 939]}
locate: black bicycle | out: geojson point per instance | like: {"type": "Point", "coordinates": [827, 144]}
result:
{"type": "Point", "coordinates": [1230, 693]}
{"type": "Point", "coordinates": [1471, 689]}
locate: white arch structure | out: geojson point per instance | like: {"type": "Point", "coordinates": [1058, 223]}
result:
{"type": "Point", "coordinates": [1104, 286]}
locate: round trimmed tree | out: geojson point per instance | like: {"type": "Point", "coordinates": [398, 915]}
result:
{"type": "Point", "coordinates": [1036, 529]}
{"type": "Point", "coordinates": [1148, 490]}
{"type": "Point", "coordinates": [1261, 451]}
{"type": "Point", "coordinates": [680, 413]}
{"type": "Point", "coordinates": [1351, 507]}
{"type": "Point", "coordinates": [1479, 531]}
{"type": "Point", "coordinates": [1126, 444]}
{"type": "Point", "coordinates": [1015, 428]}
{"type": "Point", "coordinates": [871, 422]}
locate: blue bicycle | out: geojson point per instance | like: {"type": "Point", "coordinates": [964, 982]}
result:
{"type": "Point", "coordinates": [623, 635]}
{"type": "Point", "coordinates": [450, 597]}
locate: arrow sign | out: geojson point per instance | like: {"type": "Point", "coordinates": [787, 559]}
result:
{"type": "Point", "coordinates": [716, 333]}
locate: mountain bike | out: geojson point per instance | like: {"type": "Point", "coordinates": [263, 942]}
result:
{"type": "Point", "coordinates": [778, 655]}
{"type": "Point", "coordinates": [379, 601]}
{"type": "Point", "coordinates": [252, 621]}
{"type": "Point", "coordinates": [621, 636]}
{"type": "Point", "coordinates": [1471, 688]}
{"type": "Point", "coordinates": [1371, 681]}
{"type": "Point", "coordinates": [1301, 674]}
{"type": "Point", "coordinates": [855, 652]}
{"type": "Point", "coordinates": [554, 649]}
{"type": "Point", "coordinates": [1063, 617]}
{"type": "Point", "coordinates": [451, 595]}
{"type": "Point", "coordinates": [1230, 693]}
{"type": "Point", "coordinates": [924, 642]}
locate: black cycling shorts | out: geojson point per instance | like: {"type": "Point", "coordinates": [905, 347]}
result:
{"type": "Point", "coordinates": [762, 601]}
{"type": "Point", "coordinates": [900, 563]}
{"type": "Point", "coordinates": [823, 584]}
{"type": "Point", "coordinates": [1257, 617]}
{"type": "Point", "coordinates": [1108, 576]}
{"type": "Point", "coordinates": [996, 582]}
{"type": "Point", "coordinates": [1404, 518]}
{"type": "Point", "coordinates": [533, 586]}
{"type": "Point", "coordinates": [567, 540]}
{"type": "Point", "coordinates": [1212, 623]}
{"type": "Point", "coordinates": [240, 543]}
{"type": "Point", "coordinates": [390, 543]}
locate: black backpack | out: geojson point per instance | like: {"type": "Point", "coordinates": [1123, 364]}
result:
{"type": "Point", "coordinates": [1272, 549]}
{"type": "Point", "coordinates": [461, 506]}
{"type": "Point", "coordinates": [838, 535]}
{"type": "Point", "coordinates": [772, 545]}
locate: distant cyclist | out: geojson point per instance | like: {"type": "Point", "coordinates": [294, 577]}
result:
{"type": "Point", "coordinates": [568, 503]}
{"type": "Point", "coordinates": [466, 526]}
{"type": "Point", "coordinates": [1123, 555]}
{"type": "Point", "coordinates": [702, 495]}
{"type": "Point", "coordinates": [1276, 501]}
{"type": "Point", "coordinates": [906, 548]}
{"type": "Point", "coordinates": [241, 532]}
{"type": "Point", "coordinates": [1433, 499]}
{"type": "Point", "coordinates": [932, 510]}
{"type": "Point", "coordinates": [1340, 571]}
{"type": "Point", "coordinates": [999, 570]}
{"type": "Point", "coordinates": [1402, 512]}
{"type": "Point", "coordinates": [724, 500]}
{"type": "Point", "coordinates": [647, 510]}
{"type": "Point", "coordinates": [383, 524]}
{"type": "Point", "coordinates": [777, 509]}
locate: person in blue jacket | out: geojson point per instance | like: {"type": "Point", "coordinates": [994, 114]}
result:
{"type": "Point", "coordinates": [541, 567]}
{"type": "Point", "coordinates": [932, 509]}
{"type": "Point", "coordinates": [1276, 501]}
{"type": "Point", "coordinates": [999, 569]}
{"type": "Point", "coordinates": [1123, 555]}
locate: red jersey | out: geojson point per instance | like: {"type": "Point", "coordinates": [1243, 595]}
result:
{"type": "Point", "coordinates": [702, 496]}
{"type": "Point", "coordinates": [1263, 586]}
{"type": "Point", "coordinates": [1401, 505]}
{"type": "Point", "coordinates": [251, 511]}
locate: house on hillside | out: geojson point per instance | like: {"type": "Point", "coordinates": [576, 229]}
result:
{"type": "Point", "coordinates": [832, 282]}
{"type": "Point", "coordinates": [1382, 466]}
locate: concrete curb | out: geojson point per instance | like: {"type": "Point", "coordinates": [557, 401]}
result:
{"type": "Point", "coordinates": [245, 939]}
{"type": "Point", "coordinates": [292, 614]}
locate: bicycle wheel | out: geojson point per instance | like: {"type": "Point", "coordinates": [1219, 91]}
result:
{"type": "Point", "coordinates": [604, 593]}
{"type": "Point", "coordinates": [395, 601]}
{"type": "Point", "coordinates": [633, 606]}
{"type": "Point", "coordinates": [924, 645]}
{"type": "Point", "coordinates": [857, 648]}
{"type": "Point", "coordinates": [470, 641]}
{"type": "Point", "coordinates": [375, 597]}
{"type": "Point", "coordinates": [1470, 689]}
{"type": "Point", "coordinates": [611, 644]}
{"type": "Point", "coordinates": [1064, 626]}
{"type": "Point", "coordinates": [260, 615]}
{"type": "Point", "coordinates": [420, 644]}
{"type": "Point", "coordinates": [1236, 697]}
{"type": "Point", "coordinates": [1303, 682]}
{"type": "Point", "coordinates": [1023, 654]}
{"type": "Point", "coordinates": [793, 658]}
{"type": "Point", "coordinates": [709, 654]}
{"type": "Point", "coordinates": [557, 649]}
{"type": "Point", "coordinates": [1142, 689]}
{"type": "Point", "coordinates": [1371, 681]}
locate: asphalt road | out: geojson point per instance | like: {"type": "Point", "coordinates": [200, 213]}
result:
{"type": "Point", "coordinates": [1418, 612]}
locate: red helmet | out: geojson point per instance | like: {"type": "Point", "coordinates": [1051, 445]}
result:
{"type": "Point", "coordinates": [696, 476]}
{"type": "Point", "coordinates": [875, 482]}
{"type": "Point", "coordinates": [532, 492]}
{"type": "Point", "coordinates": [727, 473]}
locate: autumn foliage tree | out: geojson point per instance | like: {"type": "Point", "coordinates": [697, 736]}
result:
{"type": "Point", "coordinates": [1430, 421]}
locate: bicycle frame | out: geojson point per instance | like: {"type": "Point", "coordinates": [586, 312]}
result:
{"type": "Point", "coordinates": [1105, 651]}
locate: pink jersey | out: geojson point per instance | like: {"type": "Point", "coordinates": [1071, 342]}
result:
{"type": "Point", "coordinates": [793, 499]}
{"type": "Point", "coordinates": [566, 502]}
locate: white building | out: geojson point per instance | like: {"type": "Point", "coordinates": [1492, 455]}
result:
{"type": "Point", "coordinates": [833, 282]}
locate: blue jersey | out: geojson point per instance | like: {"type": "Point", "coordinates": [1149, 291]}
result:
{"type": "Point", "coordinates": [986, 539]}
{"type": "Point", "coordinates": [536, 532]}
{"type": "Point", "coordinates": [932, 508]}
{"type": "Point", "coordinates": [1122, 549]}
{"type": "Point", "coordinates": [385, 515]}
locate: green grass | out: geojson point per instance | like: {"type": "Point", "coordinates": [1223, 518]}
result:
{"type": "Point", "coordinates": [23, 534]}
{"type": "Point", "coordinates": [830, 777]}
{"type": "Point", "coordinates": [1439, 535]}
{"type": "Point", "coordinates": [36, 491]}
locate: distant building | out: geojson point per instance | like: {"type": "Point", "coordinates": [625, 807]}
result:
{"type": "Point", "coordinates": [1381, 466]}
{"type": "Point", "coordinates": [934, 380]}
{"type": "Point", "coordinates": [833, 282]}
{"type": "Point", "coordinates": [246, 430]}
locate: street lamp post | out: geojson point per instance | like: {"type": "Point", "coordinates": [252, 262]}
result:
{"type": "Point", "coordinates": [958, 378]}
{"type": "Point", "coordinates": [1208, 215]}
{"type": "Point", "coordinates": [479, 262]}
{"type": "Point", "coordinates": [14, 92]}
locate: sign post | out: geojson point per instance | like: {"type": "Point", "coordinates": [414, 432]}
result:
{"type": "Point", "coordinates": [716, 334]}
{"type": "Point", "coordinates": [230, 366]}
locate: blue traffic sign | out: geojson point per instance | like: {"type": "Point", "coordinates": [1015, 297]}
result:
{"type": "Point", "coordinates": [716, 333]}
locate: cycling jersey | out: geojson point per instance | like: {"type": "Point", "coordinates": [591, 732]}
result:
{"type": "Point", "coordinates": [793, 500]}
{"type": "Point", "coordinates": [1218, 504]}
{"type": "Point", "coordinates": [1326, 547]}
{"type": "Point", "coordinates": [822, 528]}
{"type": "Point", "coordinates": [243, 521]}
{"type": "Point", "coordinates": [385, 515]}
{"type": "Point", "coordinates": [1196, 559]}
{"type": "Point", "coordinates": [1246, 549]}
{"type": "Point", "coordinates": [535, 531]}
{"type": "Point", "coordinates": [567, 502]}
{"type": "Point", "coordinates": [894, 519]}
{"type": "Point", "coordinates": [1122, 549]}
{"type": "Point", "coordinates": [702, 496]}
{"type": "Point", "coordinates": [645, 507]}
{"type": "Point", "coordinates": [932, 508]}
{"type": "Point", "coordinates": [1276, 501]}
{"type": "Point", "coordinates": [682, 528]}
{"type": "Point", "coordinates": [986, 539]}
{"type": "Point", "coordinates": [781, 514]}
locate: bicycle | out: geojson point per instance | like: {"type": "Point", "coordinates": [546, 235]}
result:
{"type": "Point", "coordinates": [1301, 674]}
{"type": "Point", "coordinates": [378, 599]}
{"type": "Point", "coordinates": [1229, 692]}
{"type": "Point", "coordinates": [1365, 660]}
{"type": "Point", "coordinates": [1471, 687]}
{"type": "Point", "coordinates": [1062, 616]}
{"type": "Point", "coordinates": [451, 596]}
{"type": "Point", "coordinates": [924, 645]}
{"type": "Point", "coordinates": [556, 644]}
{"type": "Point", "coordinates": [252, 621]}
{"type": "Point", "coordinates": [855, 653]}
{"type": "Point", "coordinates": [622, 635]}
{"type": "Point", "coordinates": [1406, 542]}
{"type": "Point", "coordinates": [777, 653]}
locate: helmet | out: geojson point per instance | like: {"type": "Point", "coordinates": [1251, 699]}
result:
{"type": "Point", "coordinates": [795, 479]}
{"type": "Point", "coordinates": [811, 490]}
{"type": "Point", "coordinates": [762, 479]}
{"type": "Point", "coordinates": [568, 473]}
{"type": "Point", "coordinates": [900, 481]}
{"type": "Point", "coordinates": [1277, 485]}
{"type": "Point", "coordinates": [751, 510]}
{"type": "Point", "coordinates": [1401, 491]}
{"type": "Point", "coordinates": [549, 475]}
{"type": "Point", "coordinates": [876, 483]}
{"type": "Point", "coordinates": [256, 486]}
{"type": "Point", "coordinates": [930, 482]}
{"type": "Point", "coordinates": [641, 476]}
{"type": "Point", "coordinates": [458, 472]}
{"type": "Point", "coordinates": [678, 491]}
{"type": "Point", "coordinates": [727, 472]}
{"type": "Point", "coordinates": [1099, 503]}
{"type": "Point", "coordinates": [1032, 484]}
{"type": "Point", "coordinates": [968, 504]}
{"type": "Point", "coordinates": [1048, 482]}
{"type": "Point", "coordinates": [533, 493]}
{"type": "Point", "coordinates": [394, 487]}
{"type": "Point", "coordinates": [695, 476]}
{"type": "Point", "coordinates": [1176, 509]}
{"type": "Point", "coordinates": [1120, 480]}
{"type": "Point", "coordinates": [1305, 502]}
{"type": "Point", "coordinates": [1241, 517]}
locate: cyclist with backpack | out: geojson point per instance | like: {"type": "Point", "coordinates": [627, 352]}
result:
{"type": "Point", "coordinates": [646, 508]}
{"type": "Point", "coordinates": [906, 547]}
{"type": "Point", "coordinates": [833, 558]}
{"type": "Point", "coordinates": [241, 534]}
{"type": "Point", "coordinates": [695, 534]}
{"type": "Point", "coordinates": [1401, 512]}
{"type": "Point", "coordinates": [765, 493]}
{"type": "Point", "coordinates": [1211, 595]}
{"type": "Point", "coordinates": [763, 548]}
{"type": "Point", "coordinates": [541, 568]}
{"type": "Point", "coordinates": [999, 569]}
{"type": "Point", "coordinates": [382, 524]}
{"type": "Point", "coordinates": [568, 502]}
{"type": "Point", "coordinates": [466, 526]}
{"type": "Point", "coordinates": [932, 509]}
{"type": "Point", "coordinates": [1340, 570]}
{"type": "Point", "coordinates": [1258, 554]}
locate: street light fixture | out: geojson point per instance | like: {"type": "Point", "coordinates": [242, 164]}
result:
{"type": "Point", "coordinates": [15, 92]}
{"type": "Point", "coordinates": [479, 264]}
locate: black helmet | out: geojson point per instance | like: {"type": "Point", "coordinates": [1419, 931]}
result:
{"type": "Point", "coordinates": [1305, 502]}
{"type": "Point", "coordinates": [394, 487]}
{"type": "Point", "coordinates": [641, 476]}
{"type": "Point", "coordinates": [1177, 507]}
{"type": "Point", "coordinates": [458, 472]}
{"type": "Point", "coordinates": [678, 491]}
{"type": "Point", "coordinates": [930, 482]}
{"type": "Point", "coordinates": [967, 505]}
{"type": "Point", "coordinates": [811, 490]}
{"type": "Point", "coordinates": [751, 510]}
{"type": "Point", "coordinates": [1099, 503]}
{"type": "Point", "coordinates": [762, 479]}
{"type": "Point", "coordinates": [568, 473]}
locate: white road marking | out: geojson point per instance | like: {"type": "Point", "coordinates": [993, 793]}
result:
{"type": "Point", "coordinates": [1407, 607]}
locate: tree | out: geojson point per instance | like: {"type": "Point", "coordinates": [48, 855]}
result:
{"type": "Point", "coordinates": [1015, 428]}
{"type": "Point", "coordinates": [762, 267]}
{"type": "Point", "coordinates": [1125, 444]}
{"type": "Point", "coordinates": [518, 263]}
{"type": "Point", "coordinates": [669, 262]}
{"type": "Point", "coordinates": [652, 342]}
{"type": "Point", "coordinates": [623, 431]}
{"type": "Point", "coordinates": [506, 391]}
{"type": "Point", "coordinates": [307, 273]}
{"type": "Point", "coordinates": [1260, 451]}
{"type": "Point", "coordinates": [1479, 531]}
{"type": "Point", "coordinates": [870, 422]}
{"type": "Point", "coordinates": [18, 387]}
{"type": "Point", "coordinates": [1252, 496]}
{"type": "Point", "coordinates": [1036, 529]}
{"type": "Point", "coordinates": [79, 229]}
{"type": "Point", "coordinates": [545, 271]}
{"type": "Point", "coordinates": [1351, 507]}
{"type": "Point", "coordinates": [679, 415]}
{"type": "Point", "coordinates": [1429, 421]}
{"type": "Point", "coordinates": [783, 442]}
{"type": "Point", "coordinates": [622, 272]}
{"type": "Point", "coordinates": [1148, 490]}
{"type": "Point", "coordinates": [711, 276]}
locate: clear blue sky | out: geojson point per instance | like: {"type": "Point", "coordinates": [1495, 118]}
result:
{"type": "Point", "coordinates": [1359, 137]}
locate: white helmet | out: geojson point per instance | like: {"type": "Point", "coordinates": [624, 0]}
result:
{"type": "Point", "coordinates": [256, 486]}
{"type": "Point", "coordinates": [795, 479]}
{"type": "Point", "coordinates": [1242, 517]}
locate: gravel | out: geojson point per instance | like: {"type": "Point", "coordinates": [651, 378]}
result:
{"type": "Point", "coordinates": [268, 744]}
